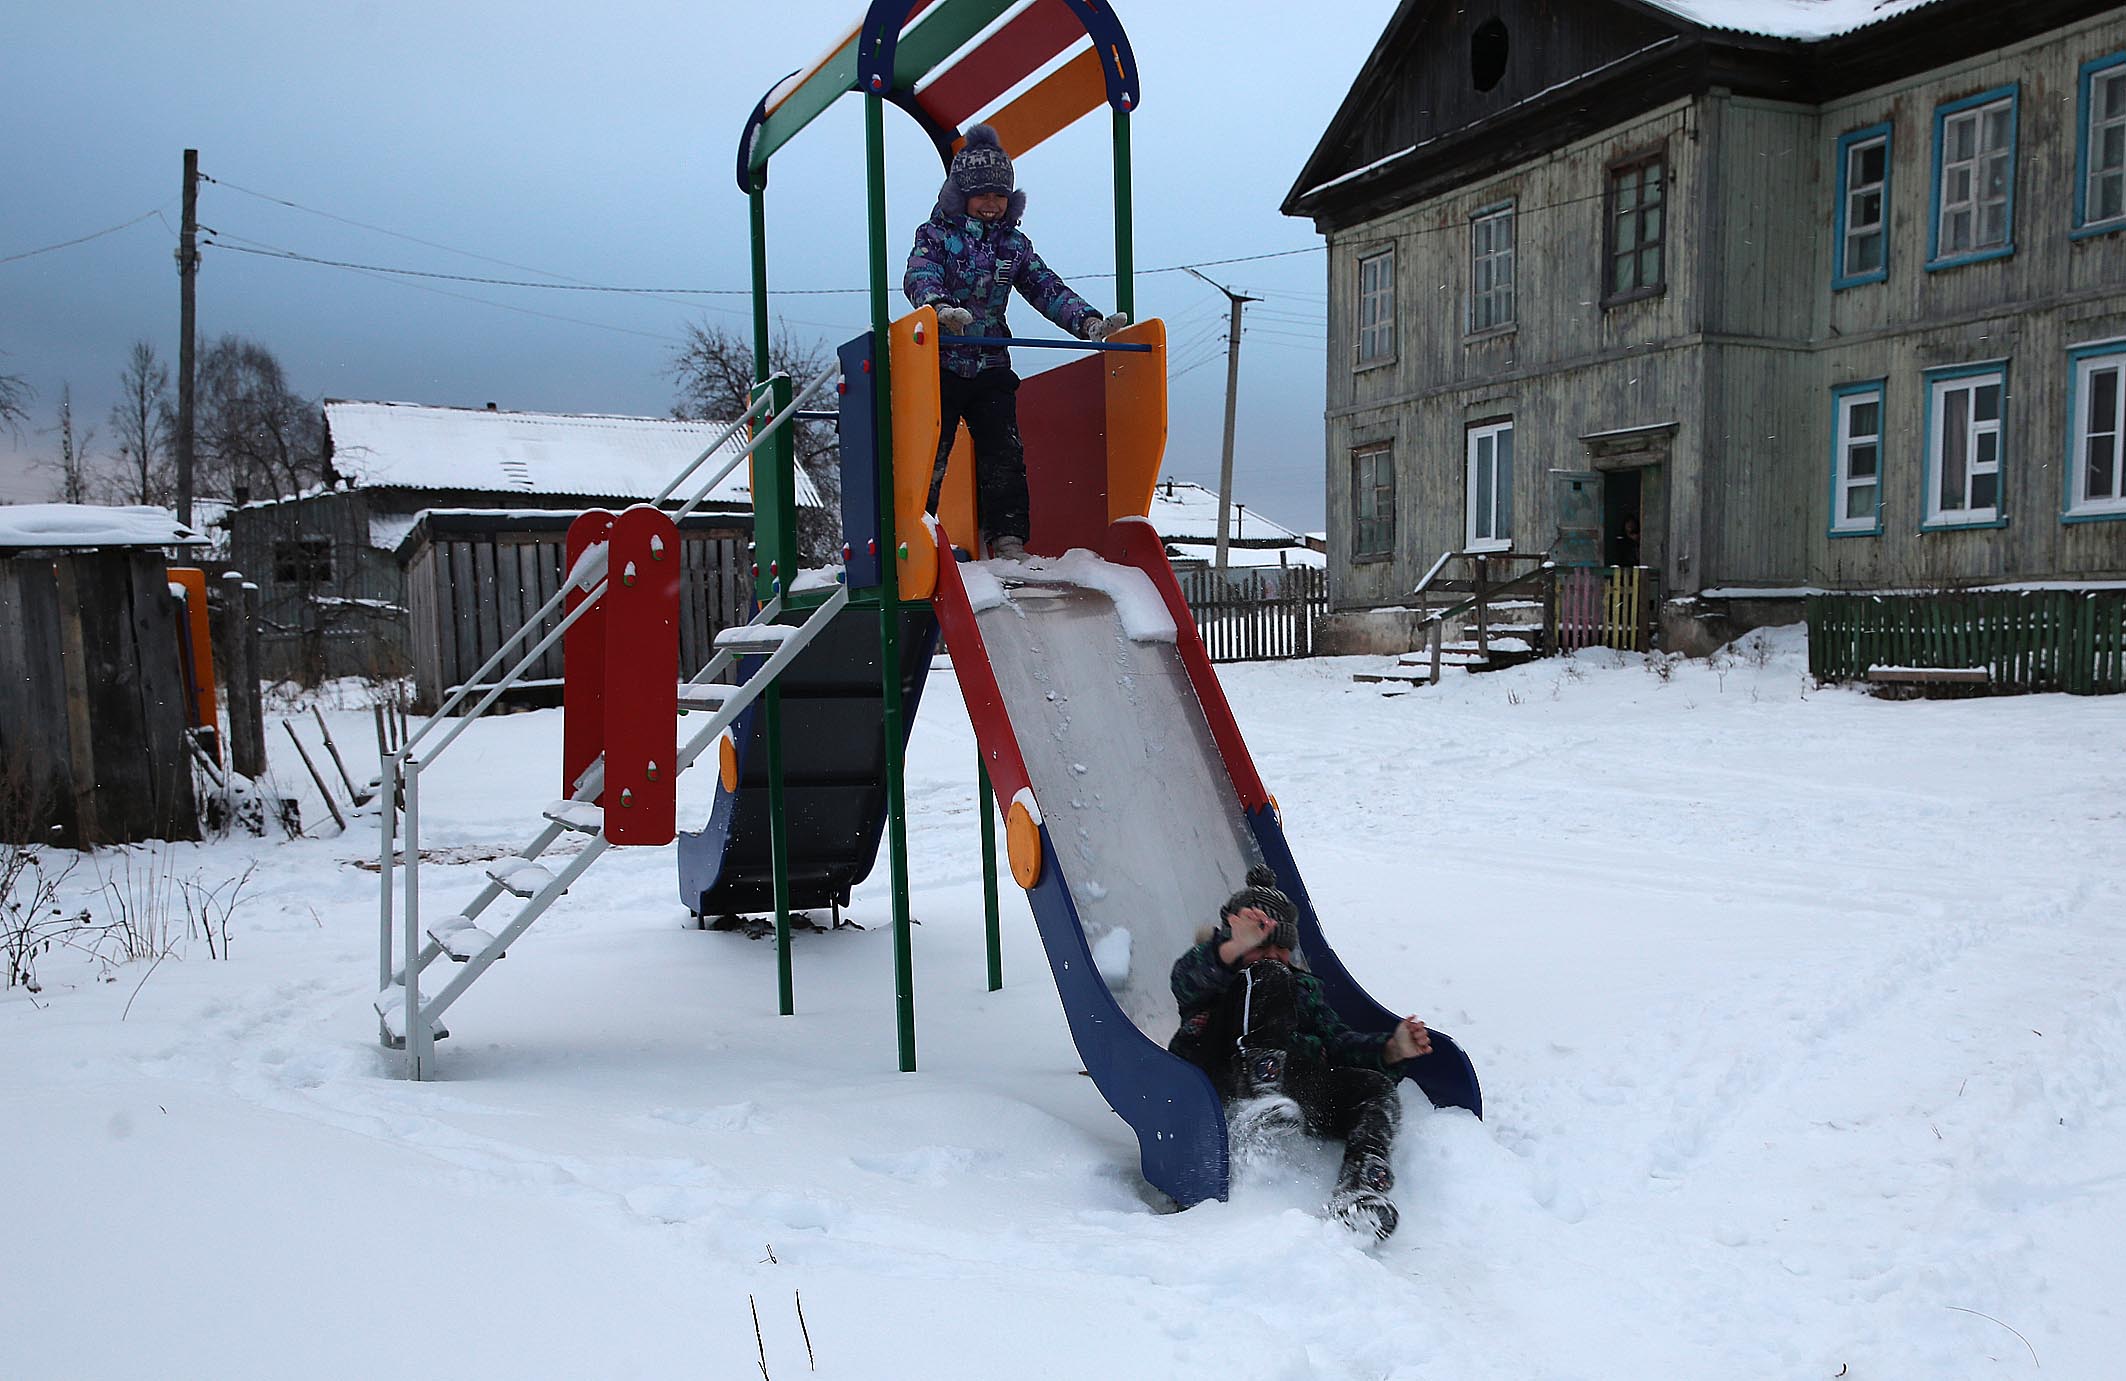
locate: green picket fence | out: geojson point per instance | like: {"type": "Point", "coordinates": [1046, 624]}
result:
{"type": "Point", "coordinates": [2032, 640]}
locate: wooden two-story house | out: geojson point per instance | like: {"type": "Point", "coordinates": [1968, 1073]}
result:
{"type": "Point", "coordinates": [1769, 296]}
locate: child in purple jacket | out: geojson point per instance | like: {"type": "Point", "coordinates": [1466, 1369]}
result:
{"type": "Point", "coordinates": [968, 257]}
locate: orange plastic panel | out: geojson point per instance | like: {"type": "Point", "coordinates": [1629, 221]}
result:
{"type": "Point", "coordinates": [727, 762]}
{"type": "Point", "coordinates": [206, 712]}
{"type": "Point", "coordinates": [913, 360]}
{"type": "Point", "coordinates": [1136, 419]}
{"type": "Point", "coordinates": [1022, 841]}
{"type": "Point", "coordinates": [1051, 104]}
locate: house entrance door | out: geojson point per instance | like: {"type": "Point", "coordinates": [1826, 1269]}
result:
{"type": "Point", "coordinates": [1623, 519]}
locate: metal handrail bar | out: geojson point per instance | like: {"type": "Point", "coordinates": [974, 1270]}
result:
{"type": "Point", "coordinates": [775, 424]}
{"type": "Point", "coordinates": [760, 680]}
{"type": "Point", "coordinates": [1433, 574]}
{"type": "Point", "coordinates": [1045, 343]}
{"type": "Point", "coordinates": [588, 787]}
{"type": "Point", "coordinates": [517, 672]}
{"type": "Point", "coordinates": [745, 420]}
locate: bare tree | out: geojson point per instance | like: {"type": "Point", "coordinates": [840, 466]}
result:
{"type": "Point", "coordinates": [714, 371]}
{"type": "Point", "coordinates": [77, 479]}
{"type": "Point", "coordinates": [143, 423]}
{"type": "Point", "coordinates": [15, 395]}
{"type": "Point", "coordinates": [257, 437]}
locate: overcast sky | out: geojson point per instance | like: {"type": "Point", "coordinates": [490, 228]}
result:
{"type": "Point", "coordinates": [596, 145]}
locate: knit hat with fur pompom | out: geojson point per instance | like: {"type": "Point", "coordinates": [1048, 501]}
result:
{"type": "Point", "coordinates": [981, 165]}
{"type": "Point", "coordinates": [1262, 891]}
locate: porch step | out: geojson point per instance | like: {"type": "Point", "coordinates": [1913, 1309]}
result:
{"type": "Point", "coordinates": [579, 816]}
{"type": "Point", "coordinates": [459, 938]}
{"type": "Point", "coordinates": [1406, 677]}
{"type": "Point", "coordinates": [1447, 658]}
{"type": "Point", "coordinates": [520, 877]}
{"type": "Point", "coordinates": [755, 640]}
{"type": "Point", "coordinates": [390, 1006]}
{"type": "Point", "coordinates": [705, 695]}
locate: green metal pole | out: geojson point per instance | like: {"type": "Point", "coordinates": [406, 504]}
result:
{"type": "Point", "coordinates": [1125, 253]}
{"type": "Point", "coordinates": [771, 702]}
{"type": "Point", "coordinates": [759, 203]}
{"type": "Point", "coordinates": [989, 875]}
{"type": "Point", "coordinates": [889, 603]}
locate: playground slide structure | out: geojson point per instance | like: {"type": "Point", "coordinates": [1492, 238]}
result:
{"type": "Point", "coordinates": [1133, 808]}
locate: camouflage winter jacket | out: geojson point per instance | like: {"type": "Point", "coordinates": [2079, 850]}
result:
{"type": "Point", "coordinates": [959, 261]}
{"type": "Point", "coordinates": [1201, 980]}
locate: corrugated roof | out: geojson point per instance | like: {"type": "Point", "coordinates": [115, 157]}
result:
{"type": "Point", "coordinates": [1802, 19]}
{"type": "Point", "coordinates": [1186, 512]}
{"type": "Point", "coordinates": [415, 446]}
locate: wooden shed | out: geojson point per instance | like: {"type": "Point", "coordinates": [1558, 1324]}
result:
{"type": "Point", "coordinates": [93, 687]}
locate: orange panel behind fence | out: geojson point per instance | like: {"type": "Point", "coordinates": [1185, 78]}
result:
{"type": "Point", "coordinates": [205, 711]}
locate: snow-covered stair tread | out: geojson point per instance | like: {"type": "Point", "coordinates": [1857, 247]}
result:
{"type": "Point", "coordinates": [753, 638]}
{"type": "Point", "coordinates": [580, 816]}
{"type": "Point", "coordinates": [520, 877]}
{"type": "Point", "coordinates": [390, 1007]}
{"type": "Point", "coordinates": [705, 695]}
{"type": "Point", "coordinates": [460, 938]}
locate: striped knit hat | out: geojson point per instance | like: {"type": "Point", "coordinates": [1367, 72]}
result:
{"type": "Point", "coordinates": [1262, 891]}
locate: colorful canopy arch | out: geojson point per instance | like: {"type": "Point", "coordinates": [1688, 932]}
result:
{"type": "Point", "coordinates": [946, 62]}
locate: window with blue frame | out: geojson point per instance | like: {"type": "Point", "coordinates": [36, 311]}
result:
{"type": "Point", "coordinates": [1974, 179]}
{"type": "Point", "coordinates": [2096, 432]}
{"type": "Point", "coordinates": [1856, 460]}
{"type": "Point", "coordinates": [1863, 243]}
{"type": "Point", "coordinates": [2100, 152]}
{"type": "Point", "coordinates": [1966, 407]}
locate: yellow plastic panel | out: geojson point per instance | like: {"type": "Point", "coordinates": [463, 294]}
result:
{"type": "Point", "coordinates": [1051, 104]}
{"type": "Point", "coordinates": [913, 356]}
{"type": "Point", "coordinates": [1136, 419]}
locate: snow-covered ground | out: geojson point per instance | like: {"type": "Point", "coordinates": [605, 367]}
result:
{"type": "Point", "coordinates": [1799, 1017]}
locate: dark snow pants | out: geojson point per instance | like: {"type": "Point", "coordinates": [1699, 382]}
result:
{"type": "Point", "coordinates": [989, 404]}
{"type": "Point", "coordinates": [1261, 1012]}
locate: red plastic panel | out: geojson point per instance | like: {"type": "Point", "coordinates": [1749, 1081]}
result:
{"type": "Point", "coordinates": [978, 681]}
{"type": "Point", "coordinates": [1063, 421]}
{"type": "Point", "coordinates": [1134, 542]}
{"type": "Point", "coordinates": [1012, 54]}
{"type": "Point", "coordinates": [642, 678]}
{"type": "Point", "coordinates": [582, 660]}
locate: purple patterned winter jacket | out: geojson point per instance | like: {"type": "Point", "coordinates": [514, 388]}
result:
{"type": "Point", "coordinates": [959, 261]}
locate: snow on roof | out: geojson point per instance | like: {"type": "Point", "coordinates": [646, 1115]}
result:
{"type": "Point", "coordinates": [92, 525]}
{"type": "Point", "coordinates": [1182, 511]}
{"type": "Point", "coordinates": [1247, 556]}
{"type": "Point", "coordinates": [1803, 19]}
{"type": "Point", "coordinates": [414, 446]}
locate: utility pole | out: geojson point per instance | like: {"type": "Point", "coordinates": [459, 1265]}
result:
{"type": "Point", "coordinates": [187, 270]}
{"type": "Point", "coordinates": [1232, 400]}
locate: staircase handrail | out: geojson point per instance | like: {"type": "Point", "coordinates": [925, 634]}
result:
{"type": "Point", "coordinates": [1490, 593]}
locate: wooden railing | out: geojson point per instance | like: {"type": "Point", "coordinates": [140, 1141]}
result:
{"type": "Point", "coordinates": [1534, 584]}
{"type": "Point", "coordinates": [1604, 606]}
{"type": "Point", "coordinates": [2056, 640]}
{"type": "Point", "coordinates": [1257, 613]}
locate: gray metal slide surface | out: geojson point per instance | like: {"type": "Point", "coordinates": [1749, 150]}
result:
{"type": "Point", "coordinates": [1128, 780]}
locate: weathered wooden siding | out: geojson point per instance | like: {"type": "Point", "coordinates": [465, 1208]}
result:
{"type": "Point", "coordinates": [1567, 369]}
{"type": "Point", "coordinates": [92, 701]}
{"type": "Point", "coordinates": [354, 621]}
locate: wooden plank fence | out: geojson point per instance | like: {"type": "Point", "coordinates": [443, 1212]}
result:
{"type": "Point", "coordinates": [1604, 606]}
{"type": "Point", "coordinates": [2031, 640]}
{"type": "Point", "coordinates": [1256, 613]}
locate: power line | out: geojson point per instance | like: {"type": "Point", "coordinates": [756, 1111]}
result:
{"type": "Point", "coordinates": [84, 239]}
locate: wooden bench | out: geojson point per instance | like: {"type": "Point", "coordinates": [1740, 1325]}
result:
{"type": "Point", "coordinates": [1931, 676]}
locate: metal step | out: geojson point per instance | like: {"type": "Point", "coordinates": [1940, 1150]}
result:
{"type": "Point", "coordinates": [580, 816]}
{"type": "Point", "coordinates": [390, 1007]}
{"type": "Point", "coordinates": [704, 695]}
{"type": "Point", "coordinates": [520, 877]}
{"type": "Point", "coordinates": [459, 938]}
{"type": "Point", "coordinates": [755, 639]}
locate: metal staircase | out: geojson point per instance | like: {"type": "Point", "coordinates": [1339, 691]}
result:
{"type": "Point", "coordinates": [410, 1018]}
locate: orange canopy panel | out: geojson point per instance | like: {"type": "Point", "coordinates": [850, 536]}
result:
{"type": "Point", "coordinates": [206, 712]}
{"type": "Point", "coordinates": [1051, 104]}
